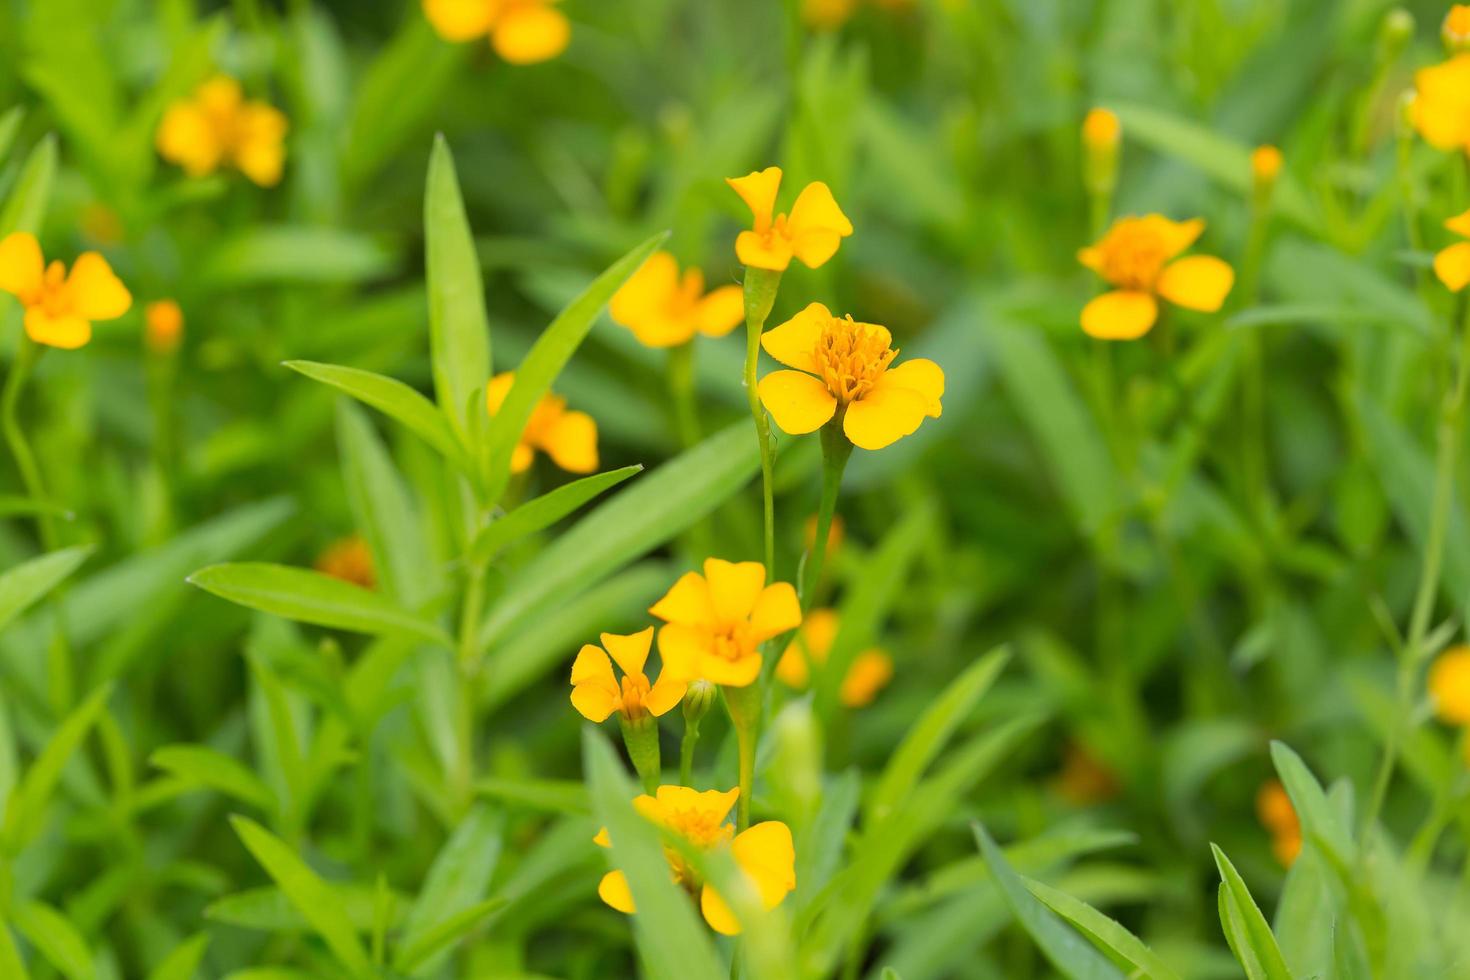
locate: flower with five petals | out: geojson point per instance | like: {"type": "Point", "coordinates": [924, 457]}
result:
{"type": "Point", "coordinates": [1137, 258]}
{"type": "Point", "coordinates": [568, 437]}
{"type": "Point", "coordinates": [717, 621]}
{"type": "Point", "coordinates": [664, 309]}
{"type": "Point", "coordinates": [596, 693]}
{"type": "Point", "coordinates": [60, 306]}
{"type": "Point", "coordinates": [811, 232]}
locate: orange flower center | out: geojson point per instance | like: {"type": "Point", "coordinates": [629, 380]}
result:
{"type": "Point", "coordinates": [1133, 256]}
{"type": "Point", "coordinates": [732, 642]}
{"type": "Point", "coordinates": [635, 691]}
{"type": "Point", "coordinates": [50, 295]}
{"type": "Point", "coordinates": [702, 828]}
{"type": "Point", "coordinates": [851, 357]}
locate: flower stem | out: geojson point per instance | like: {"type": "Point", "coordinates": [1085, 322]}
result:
{"type": "Point", "coordinates": [686, 753]}
{"type": "Point", "coordinates": [468, 662]}
{"type": "Point", "coordinates": [26, 356]}
{"type": "Point", "coordinates": [681, 391]}
{"type": "Point", "coordinates": [744, 705]}
{"type": "Point", "coordinates": [836, 450]}
{"type": "Point", "coordinates": [760, 296]}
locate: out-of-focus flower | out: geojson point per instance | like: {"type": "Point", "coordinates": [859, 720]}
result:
{"type": "Point", "coordinates": [717, 621]}
{"type": "Point", "coordinates": [812, 232]}
{"type": "Point", "coordinates": [827, 15]}
{"type": "Point", "coordinates": [1101, 129]}
{"type": "Point", "coordinates": [596, 693]}
{"type": "Point", "coordinates": [1137, 257]}
{"type": "Point", "coordinates": [163, 326]}
{"type": "Point", "coordinates": [1455, 31]}
{"type": "Point", "coordinates": [835, 533]}
{"type": "Point", "coordinates": [1441, 106]}
{"type": "Point", "coordinates": [765, 852]}
{"type": "Point", "coordinates": [1452, 265]}
{"type": "Point", "coordinates": [1265, 165]}
{"type": "Point", "coordinates": [1449, 686]}
{"type": "Point", "coordinates": [568, 437]}
{"type": "Point", "coordinates": [219, 127]}
{"type": "Point", "coordinates": [1277, 815]}
{"type": "Point", "coordinates": [664, 310]}
{"type": "Point", "coordinates": [60, 308]}
{"type": "Point", "coordinates": [522, 32]}
{"type": "Point", "coordinates": [1101, 139]}
{"type": "Point", "coordinates": [868, 674]}
{"type": "Point", "coordinates": [349, 559]}
{"type": "Point", "coordinates": [842, 365]}
{"type": "Point", "coordinates": [1084, 780]}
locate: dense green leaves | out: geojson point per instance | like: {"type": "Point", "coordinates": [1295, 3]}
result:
{"type": "Point", "coordinates": [393, 398]}
{"type": "Point", "coordinates": [25, 584]}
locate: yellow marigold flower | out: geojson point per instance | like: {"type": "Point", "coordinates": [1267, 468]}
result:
{"type": "Point", "coordinates": [1265, 164]}
{"type": "Point", "coordinates": [1449, 685]}
{"type": "Point", "coordinates": [1441, 106]}
{"type": "Point", "coordinates": [219, 127]}
{"type": "Point", "coordinates": [1101, 129]}
{"type": "Point", "coordinates": [812, 232]}
{"type": "Point", "coordinates": [1287, 847]}
{"type": "Point", "coordinates": [717, 621]}
{"type": "Point", "coordinates": [765, 852]}
{"type": "Point", "coordinates": [1452, 265]}
{"type": "Point", "coordinates": [60, 308]}
{"type": "Point", "coordinates": [349, 559]}
{"type": "Point", "coordinates": [1273, 807]}
{"type": "Point", "coordinates": [1084, 779]}
{"type": "Point", "coordinates": [1456, 28]}
{"type": "Point", "coordinates": [869, 673]}
{"type": "Point", "coordinates": [827, 15]}
{"type": "Point", "coordinates": [569, 438]}
{"type": "Point", "coordinates": [596, 693]}
{"type": "Point", "coordinates": [522, 32]}
{"type": "Point", "coordinates": [163, 326]}
{"type": "Point", "coordinates": [1135, 257]}
{"type": "Point", "coordinates": [664, 310]}
{"type": "Point", "coordinates": [847, 371]}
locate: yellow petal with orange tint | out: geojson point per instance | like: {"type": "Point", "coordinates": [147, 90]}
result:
{"type": "Point", "coordinates": [794, 343]}
{"type": "Point", "coordinates": [572, 442]}
{"type": "Point", "coordinates": [593, 702]}
{"type": "Point", "coordinates": [816, 210]}
{"type": "Point", "coordinates": [94, 292]}
{"type": "Point", "coordinates": [1452, 266]}
{"type": "Point", "coordinates": [729, 673]}
{"type": "Point", "coordinates": [1120, 315]}
{"type": "Point", "coordinates": [776, 610]}
{"type": "Point", "coordinates": [919, 375]}
{"type": "Point", "coordinates": [629, 652]}
{"type": "Point", "coordinates": [1199, 282]}
{"type": "Point", "coordinates": [733, 587]}
{"type": "Point", "coordinates": [767, 854]}
{"type": "Point", "coordinates": [664, 696]}
{"type": "Point", "coordinates": [1460, 224]}
{"type": "Point", "coordinates": [461, 20]}
{"type": "Point", "coordinates": [593, 667]}
{"type": "Point", "coordinates": [758, 190]}
{"type": "Point", "coordinates": [683, 649]}
{"type": "Point", "coordinates": [21, 266]}
{"type": "Point", "coordinates": [647, 291]}
{"type": "Point", "coordinates": [688, 602]}
{"type": "Point", "coordinates": [798, 402]}
{"type": "Point", "coordinates": [883, 416]}
{"type": "Point", "coordinates": [531, 33]}
{"type": "Point", "coordinates": [771, 252]}
{"type": "Point", "coordinates": [67, 331]}
{"type": "Point", "coordinates": [717, 913]}
{"type": "Point", "coordinates": [720, 312]}
{"type": "Point", "coordinates": [869, 674]}
{"type": "Point", "coordinates": [614, 890]}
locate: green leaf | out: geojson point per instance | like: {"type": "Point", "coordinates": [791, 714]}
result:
{"type": "Point", "coordinates": [316, 900]}
{"type": "Point", "coordinates": [414, 957]}
{"type": "Point", "coordinates": [12, 967]}
{"type": "Point", "coordinates": [184, 961]}
{"type": "Point", "coordinates": [1072, 955]}
{"type": "Point", "coordinates": [32, 192]}
{"type": "Point", "coordinates": [28, 803]}
{"type": "Point", "coordinates": [205, 766]}
{"type": "Point", "coordinates": [550, 795]}
{"type": "Point", "coordinates": [9, 126]}
{"type": "Point", "coordinates": [1251, 929]}
{"type": "Point", "coordinates": [59, 941]}
{"type": "Point", "coordinates": [1319, 820]}
{"type": "Point", "coordinates": [544, 511]}
{"type": "Point", "coordinates": [456, 882]}
{"type": "Point", "coordinates": [311, 597]}
{"type": "Point", "coordinates": [391, 397]}
{"type": "Point", "coordinates": [1104, 930]}
{"type": "Point", "coordinates": [548, 355]}
{"type": "Point", "coordinates": [14, 506]}
{"type": "Point", "coordinates": [263, 255]}
{"type": "Point", "coordinates": [672, 941]}
{"type": "Point", "coordinates": [459, 331]}
{"type": "Point", "coordinates": [30, 581]}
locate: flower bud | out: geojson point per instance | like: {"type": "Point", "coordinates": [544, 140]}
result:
{"type": "Point", "coordinates": [1455, 31]}
{"type": "Point", "coordinates": [1395, 33]}
{"type": "Point", "coordinates": [697, 699]}
{"type": "Point", "coordinates": [164, 326]}
{"type": "Point", "coordinates": [1101, 136]}
{"type": "Point", "coordinates": [1265, 168]}
{"type": "Point", "coordinates": [1404, 126]}
{"type": "Point", "coordinates": [795, 772]}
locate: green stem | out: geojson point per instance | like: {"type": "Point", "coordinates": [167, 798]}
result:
{"type": "Point", "coordinates": [686, 753]}
{"type": "Point", "coordinates": [760, 296]}
{"type": "Point", "coordinates": [836, 450]}
{"type": "Point", "coordinates": [468, 662]}
{"type": "Point", "coordinates": [26, 356]}
{"type": "Point", "coordinates": [681, 391]}
{"type": "Point", "coordinates": [744, 705]}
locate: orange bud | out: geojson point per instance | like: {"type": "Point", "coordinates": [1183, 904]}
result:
{"type": "Point", "coordinates": [164, 326]}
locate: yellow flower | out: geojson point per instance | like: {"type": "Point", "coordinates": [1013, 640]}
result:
{"type": "Point", "coordinates": [664, 310]}
{"type": "Point", "coordinates": [1449, 686]}
{"type": "Point", "coordinates": [765, 852]}
{"type": "Point", "coordinates": [60, 308]}
{"type": "Point", "coordinates": [1101, 129]}
{"type": "Point", "coordinates": [827, 15]}
{"type": "Point", "coordinates": [596, 692]}
{"type": "Point", "coordinates": [812, 232]}
{"type": "Point", "coordinates": [569, 438]}
{"type": "Point", "coordinates": [1265, 164]}
{"type": "Point", "coordinates": [219, 127]}
{"type": "Point", "coordinates": [835, 534]}
{"type": "Point", "coordinates": [1273, 807]}
{"type": "Point", "coordinates": [847, 365]}
{"type": "Point", "coordinates": [717, 621]}
{"type": "Point", "coordinates": [164, 326]}
{"type": "Point", "coordinates": [1135, 257]}
{"type": "Point", "coordinates": [349, 559]}
{"type": "Point", "coordinates": [1452, 265]}
{"type": "Point", "coordinates": [869, 673]}
{"type": "Point", "coordinates": [1441, 107]}
{"type": "Point", "coordinates": [1455, 31]}
{"type": "Point", "coordinates": [522, 32]}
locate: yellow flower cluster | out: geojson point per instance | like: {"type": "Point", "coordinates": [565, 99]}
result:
{"type": "Point", "coordinates": [219, 127]}
{"type": "Point", "coordinates": [522, 32]}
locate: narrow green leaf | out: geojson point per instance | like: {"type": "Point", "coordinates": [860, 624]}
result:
{"type": "Point", "coordinates": [32, 192]}
{"type": "Point", "coordinates": [391, 397]}
{"type": "Point", "coordinates": [184, 961]}
{"type": "Point", "coordinates": [294, 254]}
{"type": "Point", "coordinates": [311, 597]}
{"type": "Point", "coordinates": [205, 766]}
{"type": "Point", "coordinates": [9, 126]}
{"type": "Point", "coordinates": [30, 581]}
{"type": "Point", "coordinates": [456, 882]}
{"type": "Point", "coordinates": [550, 795]}
{"type": "Point", "coordinates": [316, 900]}
{"type": "Point", "coordinates": [59, 941]}
{"type": "Point", "coordinates": [1256, 932]}
{"type": "Point", "coordinates": [12, 967]}
{"type": "Point", "coordinates": [437, 940]}
{"type": "Point", "coordinates": [13, 506]}
{"type": "Point", "coordinates": [1104, 930]}
{"type": "Point", "coordinates": [23, 816]}
{"type": "Point", "coordinates": [544, 511]}
{"type": "Point", "coordinates": [1318, 818]}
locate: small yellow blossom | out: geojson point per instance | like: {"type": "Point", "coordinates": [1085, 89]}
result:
{"type": "Point", "coordinates": [1084, 779]}
{"type": "Point", "coordinates": [163, 326]}
{"type": "Point", "coordinates": [219, 127]}
{"type": "Point", "coordinates": [1455, 31]}
{"type": "Point", "coordinates": [847, 370]}
{"type": "Point", "coordinates": [1449, 686]}
{"type": "Point", "coordinates": [664, 310]}
{"type": "Point", "coordinates": [60, 308]}
{"type": "Point", "coordinates": [765, 852]}
{"type": "Point", "coordinates": [1265, 164]}
{"type": "Point", "coordinates": [596, 693]}
{"type": "Point", "coordinates": [717, 621]}
{"type": "Point", "coordinates": [827, 15]}
{"type": "Point", "coordinates": [868, 674]}
{"type": "Point", "coordinates": [568, 437]}
{"type": "Point", "coordinates": [1273, 807]}
{"type": "Point", "coordinates": [349, 559]}
{"type": "Point", "coordinates": [1441, 106]}
{"type": "Point", "coordinates": [1135, 257]}
{"type": "Point", "coordinates": [1101, 129]}
{"type": "Point", "coordinates": [522, 32]}
{"type": "Point", "coordinates": [1452, 265]}
{"type": "Point", "coordinates": [836, 531]}
{"type": "Point", "coordinates": [812, 232]}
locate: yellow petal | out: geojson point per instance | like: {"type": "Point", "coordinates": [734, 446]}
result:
{"type": "Point", "coordinates": [94, 292]}
{"type": "Point", "coordinates": [818, 630]}
{"type": "Point", "coordinates": [460, 20]}
{"type": "Point", "coordinates": [794, 343]}
{"type": "Point", "coordinates": [763, 252]}
{"type": "Point", "coordinates": [798, 402]}
{"type": "Point", "coordinates": [601, 839]}
{"type": "Point", "coordinates": [1441, 110]}
{"type": "Point", "coordinates": [816, 210]}
{"type": "Point", "coordinates": [529, 33]}
{"type": "Point", "coordinates": [629, 652]}
{"type": "Point", "coordinates": [792, 669]}
{"type": "Point", "coordinates": [713, 805]}
{"type": "Point", "coordinates": [733, 587]}
{"type": "Point", "coordinates": [720, 312]}
{"type": "Point", "coordinates": [67, 331]}
{"type": "Point", "coordinates": [647, 292]}
{"type": "Point", "coordinates": [593, 702]}
{"type": "Point", "coordinates": [1452, 266]}
{"type": "Point", "coordinates": [665, 695]}
{"type": "Point", "coordinates": [883, 416]}
{"type": "Point", "coordinates": [688, 602]}
{"type": "Point", "coordinates": [919, 375]}
{"type": "Point", "coordinates": [496, 390]}
{"type": "Point", "coordinates": [521, 458]}
{"type": "Point", "coordinates": [717, 913]}
{"type": "Point", "coordinates": [1120, 315]}
{"type": "Point", "coordinates": [1175, 236]}
{"type": "Point", "coordinates": [261, 155]}
{"type": "Point", "coordinates": [814, 248]}
{"type": "Point", "coordinates": [776, 611]}
{"type": "Point", "coordinates": [1460, 223]}
{"type": "Point", "coordinates": [1199, 282]}
{"type": "Point", "coordinates": [572, 442]}
{"type": "Point", "coordinates": [186, 137]}
{"type": "Point", "coordinates": [758, 190]}
{"type": "Point", "coordinates": [683, 649]}
{"type": "Point", "coordinates": [1448, 684]}
{"type": "Point", "coordinates": [21, 265]}
{"type": "Point", "coordinates": [766, 853]}
{"type": "Point", "coordinates": [593, 667]}
{"type": "Point", "coordinates": [662, 330]}
{"type": "Point", "coordinates": [614, 890]}
{"type": "Point", "coordinates": [729, 673]}
{"type": "Point", "coordinates": [869, 674]}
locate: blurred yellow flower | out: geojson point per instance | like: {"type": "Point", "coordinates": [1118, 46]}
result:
{"type": "Point", "coordinates": [1101, 129]}
{"type": "Point", "coordinates": [219, 127]}
{"type": "Point", "coordinates": [765, 852]}
{"type": "Point", "coordinates": [163, 326]}
{"type": "Point", "coordinates": [868, 674]}
{"type": "Point", "coordinates": [1135, 257]}
{"type": "Point", "coordinates": [1455, 31]}
{"type": "Point", "coordinates": [1265, 164]}
{"type": "Point", "coordinates": [664, 310]}
{"type": "Point", "coordinates": [568, 437]}
{"type": "Point", "coordinates": [1084, 778]}
{"type": "Point", "coordinates": [1452, 265]}
{"type": "Point", "coordinates": [1441, 107]}
{"type": "Point", "coordinates": [349, 559]}
{"type": "Point", "coordinates": [812, 232]}
{"type": "Point", "coordinates": [717, 621]}
{"type": "Point", "coordinates": [596, 693]}
{"type": "Point", "coordinates": [847, 370]}
{"type": "Point", "coordinates": [522, 32]}
{"type": "Point", "coordinates": [1273, 807]}
{"type": "Point", "coordinates": [1449, 685]}
{"type": "Point", "coordinates": [827, 15]}
{"type": "Point", "coordinates": [60, 308]}
{"type": "Point", "coordinates": [836, 532]}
